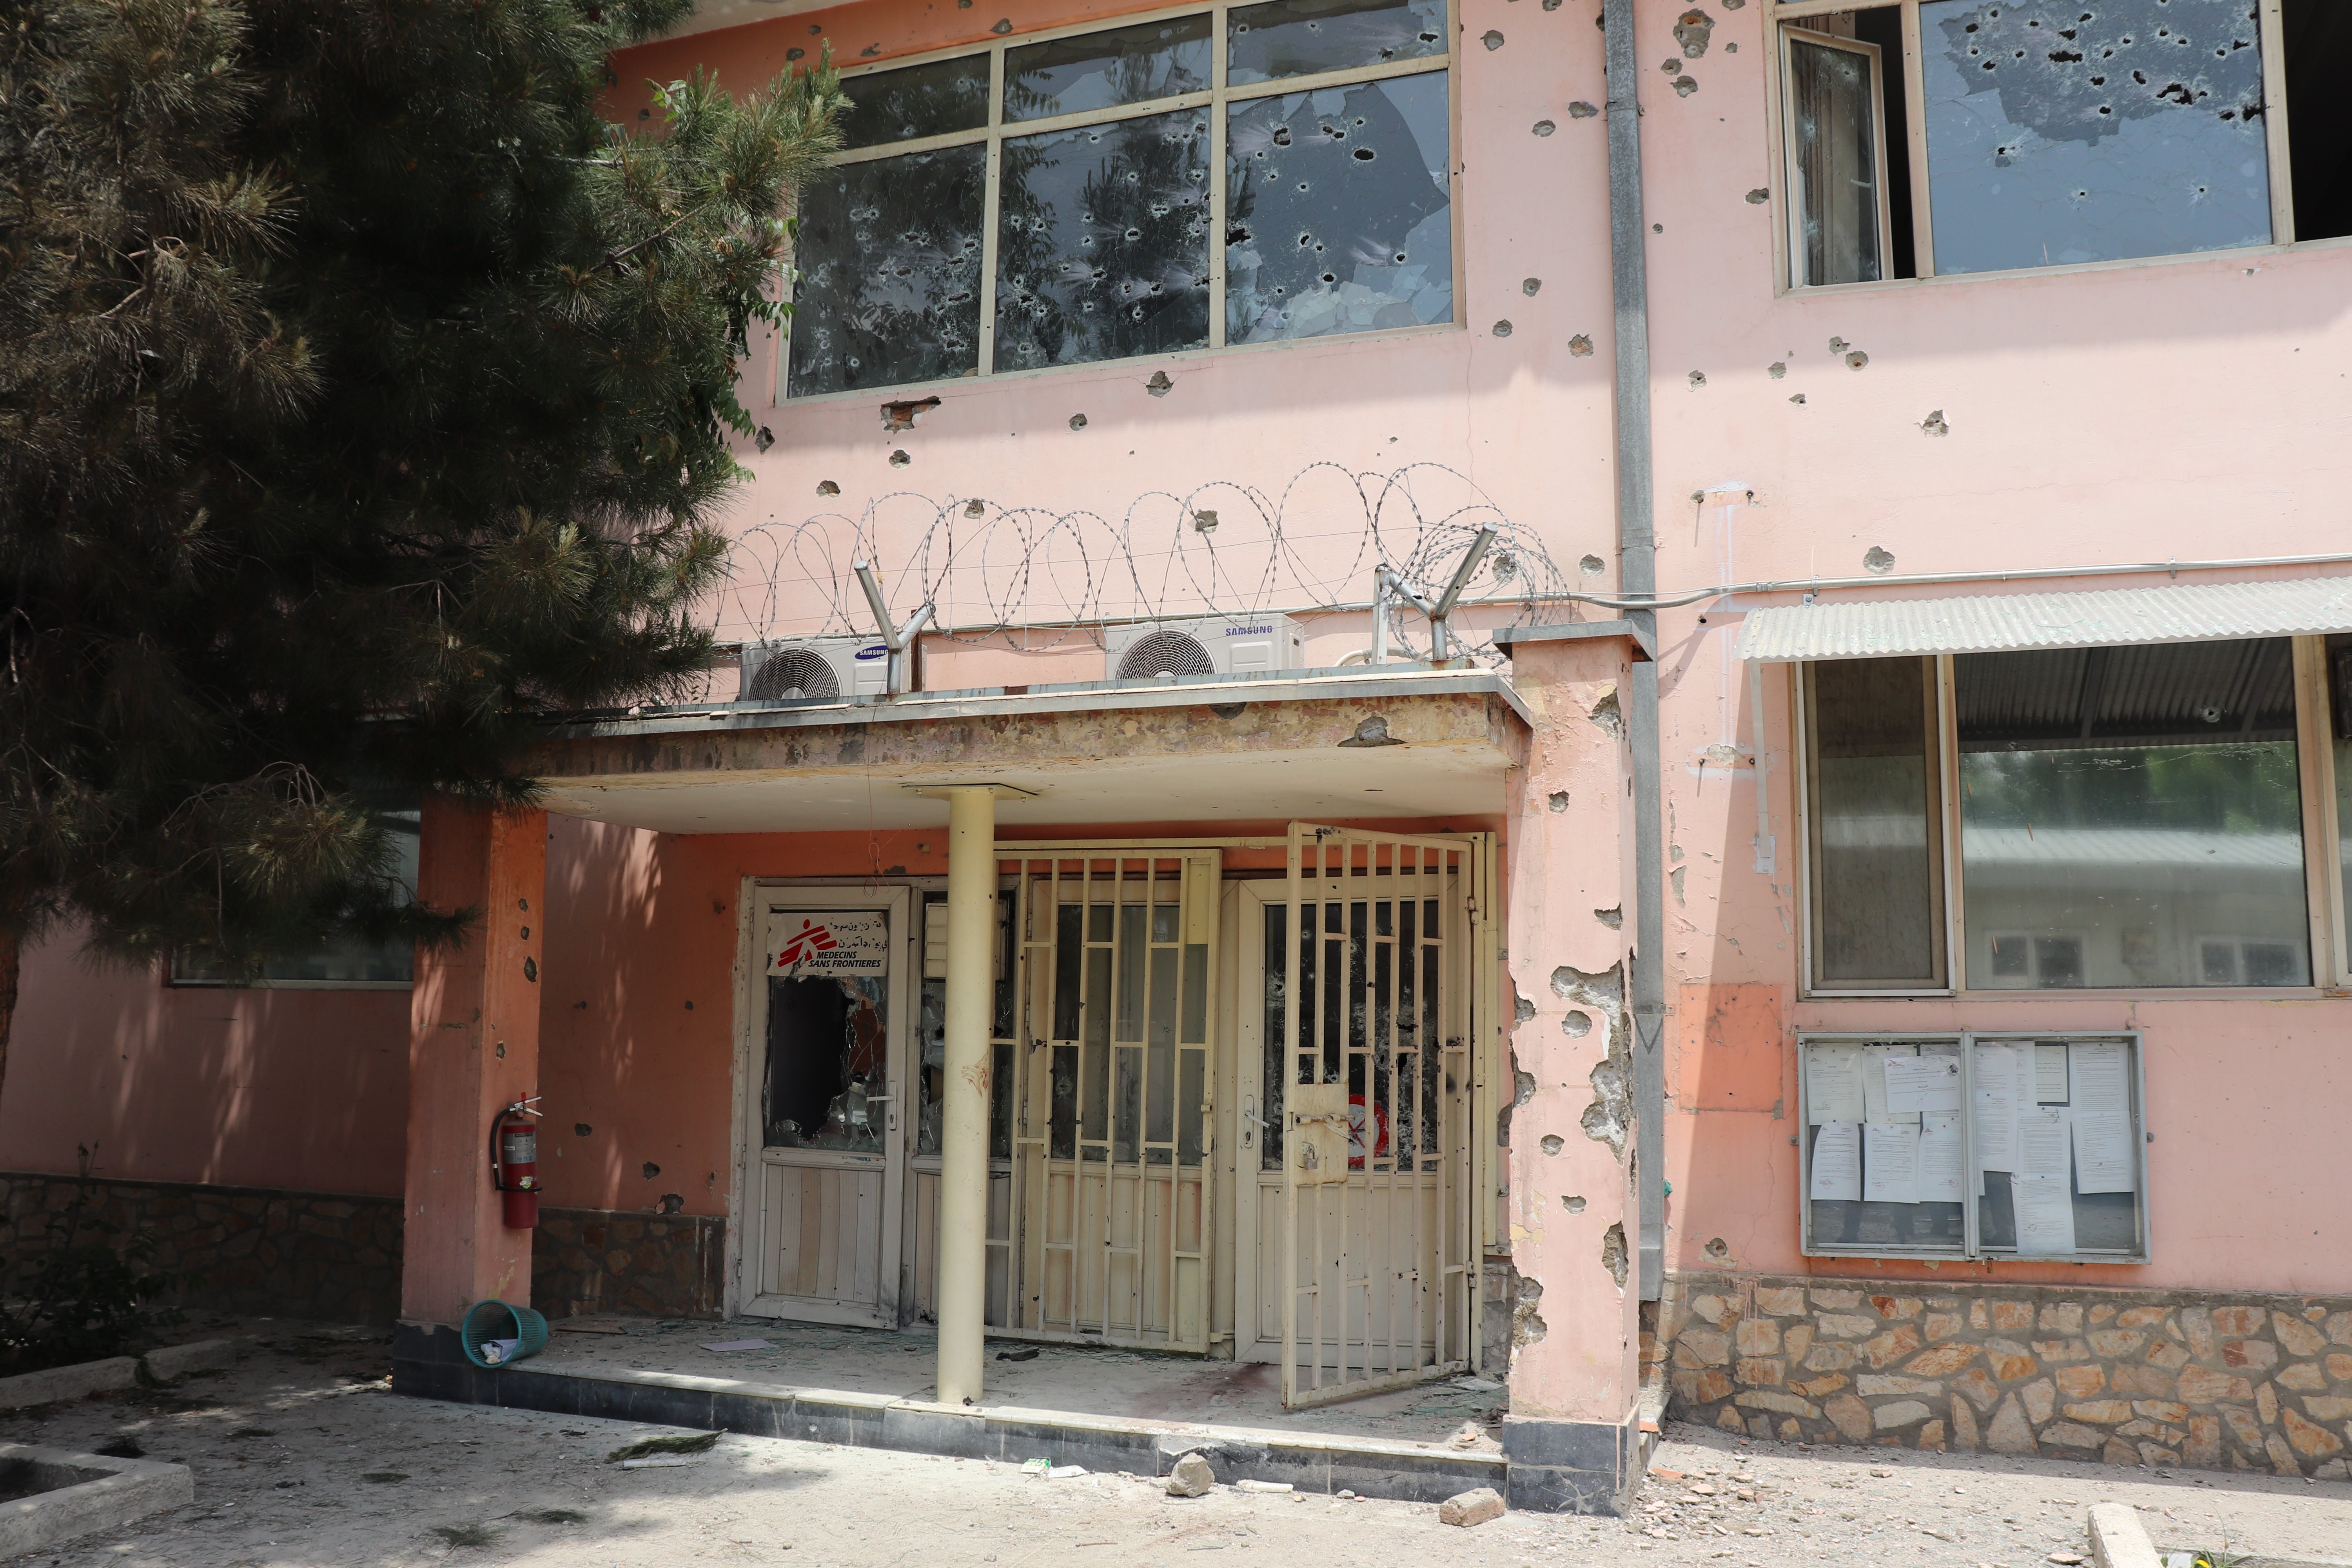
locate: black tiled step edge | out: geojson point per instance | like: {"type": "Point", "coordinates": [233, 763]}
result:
{"type": "Point", "coordinates": [426, 1365]}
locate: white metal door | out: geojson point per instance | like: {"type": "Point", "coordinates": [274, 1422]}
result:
{"type": "Point", "coordinates": [833, 1028]}
{"type": "Point", "coordinates": [1113, 1083]}
{"type": "Point", "coordinates": [1367, 1110]}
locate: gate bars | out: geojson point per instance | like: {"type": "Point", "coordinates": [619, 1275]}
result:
{"type": "Point", "coordinates": [1382, 1019]}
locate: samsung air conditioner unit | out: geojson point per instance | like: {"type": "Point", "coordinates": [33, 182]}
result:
{"type": "Point", "coordinates": [1213, 645]}
{"type": "Point", "coordinates": [826, 669]}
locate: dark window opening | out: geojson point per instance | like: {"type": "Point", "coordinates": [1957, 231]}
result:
{"type": "Point", "coordinates": [2319, 115]}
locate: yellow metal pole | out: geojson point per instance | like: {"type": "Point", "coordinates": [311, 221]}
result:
{"type": "Point", "coordinates": [963, 1140]}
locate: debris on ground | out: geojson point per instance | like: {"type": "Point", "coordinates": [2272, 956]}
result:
{"type": "Point", "coordinates": [1192, 1477]}
{"type": "Point", "coordinates": [696, 1443]}
{"type": "Point", "coordinates": [1474, 1507]}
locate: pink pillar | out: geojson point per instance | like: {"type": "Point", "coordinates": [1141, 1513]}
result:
{"type": "Point", "coordinates": [1572, 1432]}
{"type": "Point", "coordinates": [473, 1050]}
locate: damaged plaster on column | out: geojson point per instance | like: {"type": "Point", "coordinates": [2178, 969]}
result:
{"type": "Point", "coordinates": [1526, 1326]}
{"type": "Point", "coordinates": [1609, 1119]}
{"type": "Point", "coordinates": [1612, 1253]}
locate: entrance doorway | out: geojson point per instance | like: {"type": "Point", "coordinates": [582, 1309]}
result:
{"type": "Point", "coordinates": [823, 1104]}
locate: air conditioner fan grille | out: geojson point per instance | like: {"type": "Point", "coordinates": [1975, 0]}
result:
{"type": "Point", "coordinates": [1164, 653]}
{"type": "Point", "coordinates": [791, 673]}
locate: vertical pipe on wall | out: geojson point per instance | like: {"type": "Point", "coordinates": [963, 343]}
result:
{"type": "Point", "coordinates": [1637, 578]}
{"type": "Point", "coordinates": [963, 1137]}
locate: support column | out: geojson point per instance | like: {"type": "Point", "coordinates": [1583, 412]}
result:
{"type": "Point", "coordinates": [473, 1050]}
{"type": "Point", "coordinates": [1572, 1435]}
{"type": "Point", "coordinates": [961, 1298]}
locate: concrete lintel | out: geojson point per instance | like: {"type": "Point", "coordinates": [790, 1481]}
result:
{"type": "Point", "coordinates": [1645, 644]}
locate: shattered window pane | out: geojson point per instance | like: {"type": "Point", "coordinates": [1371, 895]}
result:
{"type": "Point", "coordinates": [2092, 131]}
{"type": "Point", "coordinates": [889, 255]}
{"type": "Point", "coordinates": [1102, 71]}
{"type": "Point", "coordinates": [1836, 127]}
{"type": "Point", "coordinates": [1338, 216]}
{"type": "Point", "coordinates": [1299, 37]}
{"type": "Point", "coordinates": [917, 100]}
{"type": "Point", "coordinates": [1103, 251]}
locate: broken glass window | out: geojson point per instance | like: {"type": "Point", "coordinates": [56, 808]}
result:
{"type": "Point", "coordinates": [1300, 38]}
{"type": "Point", "coordinates": [1102, 71]}
{"type": "Point", "coordinates": [828, 1056]}
{"type": "Point", "coordinates": [916, 101]}
{"type": "Point", "coordinates": [1834, 120]}
{"type": "Point", "coordinates": [1103, 249]}
{"type": "Point", "coordinates": [2091, 131]}
{"type": "Point", "coordinates": [1338, 216]}
{"type": "Point", "coordinates": [889, 256]}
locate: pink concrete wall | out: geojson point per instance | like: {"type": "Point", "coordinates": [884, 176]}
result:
{"type": "Point", "coordinates": [304, 1090]}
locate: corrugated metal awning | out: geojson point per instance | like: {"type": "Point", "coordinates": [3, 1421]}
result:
{"type": "Point", "coordinates": [2002, 622]}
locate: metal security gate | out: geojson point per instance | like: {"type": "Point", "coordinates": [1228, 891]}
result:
{"type": "Point", "coordinates": [1113, 1082]}
{"type": "Point", "coordinates": [1378, 1044]}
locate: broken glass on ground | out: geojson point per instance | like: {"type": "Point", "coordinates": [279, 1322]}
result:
{"type": "Point", "coordinates": [1102, 71]}
{"type": "Point", "coordinates": [889, 257]}
{"type": "Point", "coordinates": [2092, 131]}
{"type": "Point", "coordinates": [1301, 38]}
{"type": "Point", "coordinates": [1339, 212]}
{"type": "Point", "coordinates": [1103, 247]}
{"type": "Point", "coordinates": [930, 99]}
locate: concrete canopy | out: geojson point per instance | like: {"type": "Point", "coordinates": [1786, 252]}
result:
{"type": "Point", "coordinates": [1336, 743]}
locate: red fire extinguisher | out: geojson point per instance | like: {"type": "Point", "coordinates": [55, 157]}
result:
{"type": "Point", "coordinates": [514, 1164]}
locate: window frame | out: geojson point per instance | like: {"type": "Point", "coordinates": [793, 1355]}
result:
{"type": "Point", "coordinates": [1779, 123]}
{"type": "Point", "coordinates": [1215, 100]}
{"type": "Point", "coordinates": [1972, 1249]}
{"type": "Point", "coordinates": [2323, 882]}
{"type": "Point", "coordinates": [1793, 224]}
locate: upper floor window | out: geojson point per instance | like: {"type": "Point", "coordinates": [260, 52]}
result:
{"type": "Point", "coordinates": [1219, 176]}
{"type": "Point", "coordinates": [1946, 136]}
{"type": "Point", "coordinates": [2118, 817]}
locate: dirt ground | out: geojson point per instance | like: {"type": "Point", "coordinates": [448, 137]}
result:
{"type": "Point", "coordinates": [304, 1458]}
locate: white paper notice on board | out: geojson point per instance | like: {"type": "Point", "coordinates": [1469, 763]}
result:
{"type": "Point", "coordinates": [1837, 1163]}
{"type": "Point", "coordinates": [2101, 1071]}
{"type": "Point", "coordinates": [1996, 1108]}
{"type": "Point", "coordinates": [2042, 1141]}
{"type": "Point", "coordinates": [2103, 1154]}
{"type": "Point", "coordinates": [1873, 1083]}
{"type": "Point", "coordinates": [2045, 1214]}
{"type": "Point", "coordinates": [1943, 1158]}
{"type": "Point", "coordinates": [1923, 1083]}
{"type": "Point", "coordinates": [1890, 1162]}
{"type": "Point", "coordinates": [1833, 1082]}
{"type": "Point", "coordinates": [2050, 1075]}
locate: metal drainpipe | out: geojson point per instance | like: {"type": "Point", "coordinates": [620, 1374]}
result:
{"type": "Point", "coordinates": [1637, 575]}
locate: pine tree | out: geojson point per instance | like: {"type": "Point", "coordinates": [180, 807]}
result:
{"type": "Point", "coordinates": [365, 396]}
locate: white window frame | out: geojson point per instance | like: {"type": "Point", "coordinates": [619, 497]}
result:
{"type": "Point", "coordinates": [1215, 100]}
{"type": "Point", "coordinates": [1794, 225]}
{"type": "Point", "coordinates": [1972, 1249]}
{"type": "Point", "coordinates": [2270, 40]}
{"type": "Point", "coordinates": [2331, 962]}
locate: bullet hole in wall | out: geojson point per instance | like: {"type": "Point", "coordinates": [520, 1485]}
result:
{"type": "Point", "coordinates": [690, 1006]}
{"type": "Point", "coordinates": [1002, 26]}
{"type": "Point", "coordinates": [828, 488]}
{"type": "Point", "coordinates": [1492, 39]}
{"type": "Point", "coordinates": [1838, 345]}
{"type": "Point", "coordinates": [1572, 1205]}
{"type": "Point", "coordinates": [1698, 378]}
{"type": "Point", "coordinates": [1077, 421]}
{"type": "Point", "coordinates": [1692, 28]}
{"type": "Point", "coordinates": [1551, 1142]}
{"type": "Point", "coordinates": [1160, 385]}
{"type": "Point", "coordinates": [1878, 560]}
{"type": "Point", "coordinates": [975, 507]}
{"type": "Point", "coordinates": [1576, 1023]}
{"type": "Point", "coordinates": [1934, 424]}
{"type": "Point", "coordinates": [1670, 66]}
{"type": "Point", "coordinates": [1545, 127]}
{"type": "Point", "coordinates": [1799, 398]}
{"type": "Point", "coordinates": [1591, 567]}
{"type": "Point", "coordinates": [1685, 86]}
{"type": "Point", "coordinates": [1581, 110]}
{"type": "Point", "coordinates": [531, 970]}
{"type": "Point", "coordinates": [1759, 195]}
{"type": "Point", "coordinates": [651, 1170]}
{"type": "Point", "coordinates": [1502, 329]}
{"type": "Point", "coordinates": [581, 1130]}
{"type": "Point", "coordinates": [1717, 1248]}
{"type": "Point", "coordinates": [1531, 285]}
{"type": "Point", "coordinates": [1856, 360]}
{"type": "Point", "coordinates": [673, 1203]}
{"type": "Point", "coordinates": [1615, 918]}
{"type": "Point", "coordinates": [1776, 368]}
{"type": "Point", "coordinates": [898, 459]}
{"type": "Point", "coordinates": [1580, 347]}
{"type": "Point", "coordinates": [1559, 801]}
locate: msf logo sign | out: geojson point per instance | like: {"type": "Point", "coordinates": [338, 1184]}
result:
{"type": "Point", "coordinates": [807, 943]}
